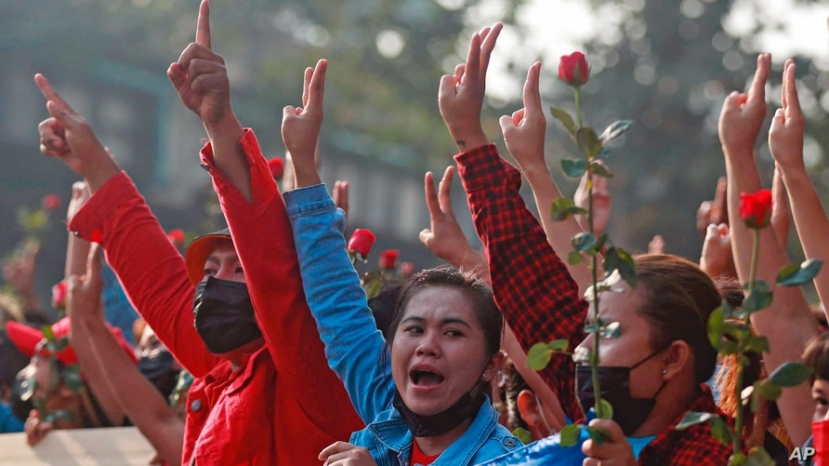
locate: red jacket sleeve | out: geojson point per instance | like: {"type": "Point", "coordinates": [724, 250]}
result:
{"type": "Point", "coordinates": [264, 241]}
{"type": "Point", "coordinates": [149, 267]}
{"type": "Point", "coordinates": [532, 287]}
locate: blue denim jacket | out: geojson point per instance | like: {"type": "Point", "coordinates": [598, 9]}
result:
{"type": "Point", "coordinates": [355, 348]}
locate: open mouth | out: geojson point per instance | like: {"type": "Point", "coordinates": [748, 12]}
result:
{"type": "Point", "coordinates": [425, 378]}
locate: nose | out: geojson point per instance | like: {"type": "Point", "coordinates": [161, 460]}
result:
{"type": "Point", "coordinates": [226, 271]}
{"type": "Point", "coordinates": [427, 346]}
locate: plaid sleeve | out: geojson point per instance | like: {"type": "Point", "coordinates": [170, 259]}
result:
{"type": "Point", "coordinates": [532, 286]}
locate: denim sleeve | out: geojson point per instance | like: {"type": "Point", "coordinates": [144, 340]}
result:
{"type": "Point", "coordinates": [355, 349]}
{"type": "Point", "coordinates": [119, 312]}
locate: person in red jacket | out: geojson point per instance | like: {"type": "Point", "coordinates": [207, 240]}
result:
{"type": "Point", "coordinates": [263, 392]}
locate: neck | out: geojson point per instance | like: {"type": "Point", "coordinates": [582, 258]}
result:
{"type": "Point", "coordinates": [436, 445]}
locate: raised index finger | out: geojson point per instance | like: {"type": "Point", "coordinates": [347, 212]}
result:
{"type": "Point", "coordinates": [790, 89]}
{"type": "Point", "coordinates": [203, 24]}
{"type": "Point", "coordinates": [532, 96]}
{"type": "Point", "coordinates": [48, 92]}
{"type": "Point", "coordinates": [316, 87]}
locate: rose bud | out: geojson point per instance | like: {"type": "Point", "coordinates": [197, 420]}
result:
{"type": "Point", "coordinates": [361, 242]}
{"type": "Point", "coordinates": [277, 167]}
{"type": "Point", "coordinates": [388, 259]}
{"type": "Point", "coordinates": [573, 69]}
{"type": "Point", "coordinates": [755, 208]}
{"type": "Point", "coordinates": [176, 237]}
{"type": "Point", "coordinates": [406, 269]}
{"type": "Point", "coordinates": [59, 295]}
{"type": "Point", "coordinates": [51, 201]}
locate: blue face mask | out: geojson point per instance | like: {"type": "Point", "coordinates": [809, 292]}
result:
{"type": "Point", "coordinates": [224, 316]}
{"type": "Point", "coordinates": [628, 412]}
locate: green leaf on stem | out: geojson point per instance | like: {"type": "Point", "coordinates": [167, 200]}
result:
{"type": "Point", "coordinates": [583, 242]}
{"type": "Point", "coordinates": [759, 299]}
{"type": "Point", "coordinates": [758, 456]}
{"type": "Point", "coordinates": [737, 459]}
{"type": "Point", "coordinates": [600, 242]}
{"type": "Point", "coordinates": [605, 409]}
{"type": "Point", "coordinates": [599, 436]}
{"type": "Point", "coordinates": [616, 258]}
{"type": "Point", "coordinates": [715, 321]}
{"type": "Point", "coordinates": [693, 418]}
{"type": "Point", "coordinates": [728, 347]}
{"type": "Point", "coordinates": [48, 334]}
{"type": "Point", "coordinates": [799, 274]}
{"type": "Point", "coordinates": [373, 283]}
{"type": "Point", "coordinates": [757, 344]}
{"type": "Point", "coordinates": [592, 328]}
{"type": "Point", "coordinates": [738, 331]}
{"type": "Point", "coordinates": [790, 374]}
{"type": "Point", "coordinates": [720, 430]}
{"type": "Point", "coordinates": [612, 330]}
{"type": "Point", "coordinates": [575, 258]}
{"type": "Point", "coordinates": [768, 389]}
{"type": "Point", "coordinates": [539, 356]}
{"type": "Point", "coordinates": [558, 346]}
{"type": "Point", "coordinates": [615, 130]}
{"type": "Point", "coordinates": [565, 119]}
{"type": "Point", "coordinates": [563, 208]}
{"type": "Point", "coordinates": [523, 435]}
{"type": "Point", "coordinates": [574, 168]}
{"type": "Point", "coordinates": [588, 142]}
{"type": "Point", "coordinates": [570, 435]}
{"type": "Point", "coordinates": [603, 154]}
{"type": "Point", "coordinates": [72, 379]}
{"type": "Point", "coordinates": [600, 170]}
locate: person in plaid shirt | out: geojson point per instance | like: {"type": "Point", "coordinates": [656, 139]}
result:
{"type": "Point", "coordinates": [664, 340]}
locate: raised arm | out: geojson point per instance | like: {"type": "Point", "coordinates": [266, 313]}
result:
{"type": "Point", "coordinates": [740, 122]}
{"type": "Point", "coordinates": [531, 284]}
{"type": "Point", "coordinates": [261, 233]}
{"type": "Point", "coordinates": [353, 345]}
{"type": "Point", "coordinates": [117, 217]}
{"type": "Point", "coordinates": [786, 144]}
{"type": "Point", "coordinates": [524, 135]}
{"type": "Point", "coordinates": [133, 393]}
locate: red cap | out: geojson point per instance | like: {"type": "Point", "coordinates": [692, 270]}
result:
{"type": "Point", "coordinates": [27, 340]}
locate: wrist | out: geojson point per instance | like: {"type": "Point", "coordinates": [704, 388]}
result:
{"type": "Point", "coordinates": [793, 171]}
{"type": "Point", "coordinates": [228, 128]}
{"type": "Point", "coordinates": [534, 170]}
{"type": "Point", "coordinates": [306, 176]}
{"type": "Point", "coordinates": [468, 137]}
{"type": "Point", "coordinates": [101, 173]}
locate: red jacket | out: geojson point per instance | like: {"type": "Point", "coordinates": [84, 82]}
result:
{"type": "Point", "coordinates": [541, 302]}
{"type": "Point", "coordinates": [284, 405]}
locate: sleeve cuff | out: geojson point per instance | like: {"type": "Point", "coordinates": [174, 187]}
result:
{"type": "Point", "coordinates": [88, 222]}
{"type": "Point", "coordinates": [308, 199]}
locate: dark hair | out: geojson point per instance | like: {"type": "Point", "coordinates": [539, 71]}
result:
{"type": "Point", "coordinates": [486, 312]}
{"type": "Point", "coordinates": [514, 384]}
{"type": "Point", "coordinates": [816, 356]}
{"type": "Point", "coordinates": [678, 299]}
{"type": "Point", "coordinates": [383, 306]}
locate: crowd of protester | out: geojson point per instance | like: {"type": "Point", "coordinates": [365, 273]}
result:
{"type": "Point", "coordinates": [261, 344]}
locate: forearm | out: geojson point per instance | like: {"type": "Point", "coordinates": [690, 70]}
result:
{"type": "Point", "coordinates": [789, 309]}
{"type": "Point", "coordinates": [135, 395]}
{"type": "Point", "coordinates": [228, 155]}
{"type": "Point", "coordinates": [559, 234]}
{"type": "Point", "coordinates": [77, 251]}
{"type": "Point", "coordinates": [810, 221]}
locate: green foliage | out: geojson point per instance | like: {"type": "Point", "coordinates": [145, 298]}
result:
{"type": "Point", "coordinates": [570, 435]}
{"type": "Point", "coordinates": [799, 274]}
{"type": "Point", "coordinates": [584, 242]}
{"type": "Point", "coordinates": [692, 418]}
{"type": "Point", "coordinates": [759, 457]}
{"type": "Point", "coordinates": [564, 208]}
{"type": "Point", "coordinates": [615, 130]}
{"type": "Point", "coordinates": [565, 119]}
{"type": "Point", "coordinates": [373, 283]}
{"type": "Point", "coordinates": [790, 374]}
{"type": "Point", "coordinates": [540, 353]}
{"type": "Point", "coordinates": [760, 298]}
{"type": "Point", "coordinates": [605, 410]}
{"type": "Point", "coordinates": [616, 258]}
{"type": "Point", "coordinates": [523, 435]}
{"type": "Point", "coordinates": [720, 430]}
{"type": "Point", "coordinates": [599, 436]}
{"type": "Point", "coordinates": [715, 322]}
{"type": "Point", "coordinates": [588, 142]}
{"type": "Point", "coordinates": [574, 258]}
{"type": "Point", "coordinates": [600, 170]}
{"type": "Point", "coordinates": [574, 168]}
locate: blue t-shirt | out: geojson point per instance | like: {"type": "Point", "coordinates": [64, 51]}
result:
{"type": "Point", "coordinates": [639, 444]}
{"type": "Point", "coordinates": [9, 423]}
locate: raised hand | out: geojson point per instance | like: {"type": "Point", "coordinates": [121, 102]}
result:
{"type": "Point", "coordinates": [715, 211]}
{"type": "Point", "coordinates": [200, 77]}
{"type": "Point", "coordinates": [444, 238]}
{"type": "Point", "coordinates": [524, 130]}
{"type": "Point", "coordinates": [717, 259]}
{"type": "Point", "coordinates": [83, 294]}
{"type": "Point", "coordinates": [301, 126]}
{"type": "Point", "coordinates": [789, 124]}
{"type": "Point", "coordinates": [461, 94]}
{"type": "Point", "coordinates": [743, 114]}
{"type": "Point", "coordinates": [67, 136]}
{"type": "Point", "coordinates": [656, 245]}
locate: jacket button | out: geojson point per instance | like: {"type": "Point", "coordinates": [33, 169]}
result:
{"type": "Point", "coordinates": [509, 442]}
{"type": "Point", "coordinates": [195, 406]}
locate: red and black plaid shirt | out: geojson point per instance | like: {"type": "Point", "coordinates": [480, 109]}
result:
{"type": "Point", "coordinates": [541, 302]}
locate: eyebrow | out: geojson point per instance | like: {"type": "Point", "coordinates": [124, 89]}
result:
{"type": "Point", "coordinates": [448, 320]}
{"type": "Point", "coordinates": [213, 259]}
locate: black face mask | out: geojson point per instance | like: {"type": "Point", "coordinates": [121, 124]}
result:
{"type": "Point", "coordinates": [158, 369]}
{"type": "Point", "coordinates": [429, 426]}
{"type": "Point", "coordinates": [224, 317]}
{"type": "Point", "coordinates": [614, 381]}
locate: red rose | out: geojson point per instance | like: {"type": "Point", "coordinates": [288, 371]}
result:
{"type": "Point", "coordinates": [51, 201]}
{"type": "Point", "coordinates": [755, 208]}
{"type": "Point", "coordinates": [277, 167]}
{"type": "Point", "coordinates": [176, 237]}
{"type": "Point", "coordinates": [59, 295]}
{"type": "Point", "coordinates": [406, 269]}
{"type": "Point", "coordinates": [388, 259]}
{"type": "Point", "coordinates": [573, 69]}
{"type": "Point", "coordinates": [361, 242]}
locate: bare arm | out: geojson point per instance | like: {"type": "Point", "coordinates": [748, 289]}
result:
{"type": "Point", "coordinates": [740, 122]}
{"type": "Point", "coordinates": [134, 394]}
{"type": "Point", "coordinates": [524, 136]}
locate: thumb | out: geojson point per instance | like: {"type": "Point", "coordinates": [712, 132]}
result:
{"type": "Point", "coordinates": [61, 115]}
{"type": "Point", "coordinates": [288, 112]}
{"type": "Point", "coordinates": [506, 124]}
{"type": "Point", "coordinates": [426, 237]}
